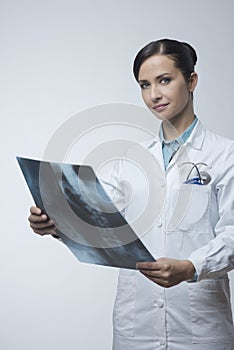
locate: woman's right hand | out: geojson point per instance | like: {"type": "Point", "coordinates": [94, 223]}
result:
{"type": "Point", "coordinates": [40, 223]}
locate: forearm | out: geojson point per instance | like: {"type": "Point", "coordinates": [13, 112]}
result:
{"type": "Point", "coordinates": [216, 258]}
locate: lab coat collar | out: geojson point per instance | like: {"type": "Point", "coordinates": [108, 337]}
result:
{"type": "Point", "coordinates": [196, 138]}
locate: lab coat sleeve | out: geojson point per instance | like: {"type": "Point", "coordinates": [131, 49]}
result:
{"type": "Point", "coordinates": [216, 258]}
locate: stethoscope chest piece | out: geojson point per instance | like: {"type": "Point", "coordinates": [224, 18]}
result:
{"type": "Point", "coordinates": [205, 177]}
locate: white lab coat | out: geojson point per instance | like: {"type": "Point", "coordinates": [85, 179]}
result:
{"type": "Point", "coordinates": [191, 315]}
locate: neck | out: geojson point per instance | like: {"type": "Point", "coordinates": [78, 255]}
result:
{"type": "Point", "coordinates": [174, 127]}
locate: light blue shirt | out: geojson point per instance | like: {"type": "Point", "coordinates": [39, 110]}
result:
{"type": "Point", "coordinates": [170, 147]}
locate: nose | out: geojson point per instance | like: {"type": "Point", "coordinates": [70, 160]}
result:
{"type": "Point", "coordinates": [155, 93]}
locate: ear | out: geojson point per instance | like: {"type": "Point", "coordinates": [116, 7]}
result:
{"type": "Point", "coordinates": [193, 81]}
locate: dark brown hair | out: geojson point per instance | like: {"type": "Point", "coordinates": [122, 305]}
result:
{"type": "Point", "coordinates": [183, 54]}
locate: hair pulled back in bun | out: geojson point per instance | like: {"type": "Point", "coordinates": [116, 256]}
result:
{"type": "Point", "coordinates": [182, 53]}
{"type": "Point", "coordinates": [192, 52]}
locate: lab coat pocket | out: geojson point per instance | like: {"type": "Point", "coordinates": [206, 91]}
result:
{"type": "Point", "coordinates": [211, 311]}
{"type": "Point", "coordinates": [123, 314]}
{"type": "Point", "coordinates": [190, 208]}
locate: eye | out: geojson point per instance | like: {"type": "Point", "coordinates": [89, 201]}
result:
{"type": "Point", "coordinates": [165, 81]}
{"type": "Point", "coordinates": [144, 85]}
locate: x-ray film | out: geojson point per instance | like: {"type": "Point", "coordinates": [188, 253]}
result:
{"type": "Point", "coordinates": [86, 219]}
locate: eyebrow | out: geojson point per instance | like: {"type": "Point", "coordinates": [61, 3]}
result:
{"type": "Point", "coordinates": [158, 77]}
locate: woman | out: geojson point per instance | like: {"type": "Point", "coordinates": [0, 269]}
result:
{"type": "Point", "coordinates": [181, 301]}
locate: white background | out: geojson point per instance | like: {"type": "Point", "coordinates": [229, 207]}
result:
{"type": "Point", "coordinates": [58, 58]}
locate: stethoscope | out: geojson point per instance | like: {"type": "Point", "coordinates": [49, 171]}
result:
{"type": "Point", "coordinates": [202, 178]}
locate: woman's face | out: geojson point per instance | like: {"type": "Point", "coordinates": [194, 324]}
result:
{"type": "Point", "coordinates": [164, 89]}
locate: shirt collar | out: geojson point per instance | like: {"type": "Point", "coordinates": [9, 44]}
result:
{"type": "Point", "coordinates": [195, 139]}
{"type": "Point", "coordinates": [182, 138]}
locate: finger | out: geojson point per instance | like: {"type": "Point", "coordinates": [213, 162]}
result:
{"type": "Point", "coordinates": [162, 274]}
{"type": "Point", "coordinates": [147, 266]}
{"type": "Point", "coordinates": [45, 232]}
{"type": "Point", "coordinates": [35, 210]}
{"type": "Point", "coordinates": [160, 279]}
{"type": "Point", "coordinates": [45, 225]}
{"type": "Point", "coordinates": [38, 218]}
{"type": "Point", "coordinates": [154, 279]}
{"type": "Point", "coordinates": [151, 273]}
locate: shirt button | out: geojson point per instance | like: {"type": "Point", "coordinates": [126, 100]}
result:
{"type": "Point", "coordinates": [159, 224]}
{"type": "Point", "coordinates": [163, 185]}
{"type": "Point", "coordinates": [160, 303]}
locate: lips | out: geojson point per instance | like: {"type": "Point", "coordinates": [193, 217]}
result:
{"type": "Point", "coordinates": [160, 107]}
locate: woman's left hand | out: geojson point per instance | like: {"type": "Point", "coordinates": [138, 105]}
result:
{"type": "Point", "coordinates": [167, 272]}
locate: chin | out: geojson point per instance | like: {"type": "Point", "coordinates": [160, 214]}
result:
{"type": "Point", "coordinates": [161, 116]}
{"type": "Point", "coordinates": [157, 115]}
